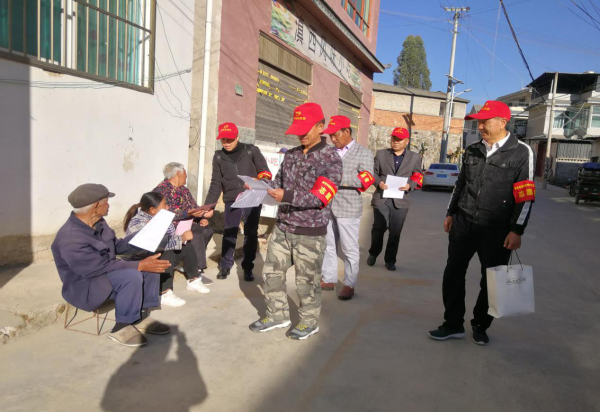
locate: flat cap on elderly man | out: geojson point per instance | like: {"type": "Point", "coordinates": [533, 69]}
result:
{"type": "Point", "coordinates": [88, 194]}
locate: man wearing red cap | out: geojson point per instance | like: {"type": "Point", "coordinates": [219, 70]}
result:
{"type": "Point", "coordinates": [391, 213]}
{"type": "Point", "coordinates": [347, 207]}
{"type": "Point", "coordinates": [307, 182]}
{"type": "Point", "coordinates": [235, 159]}
{"type": "Point", "coordinates": [487, 214]}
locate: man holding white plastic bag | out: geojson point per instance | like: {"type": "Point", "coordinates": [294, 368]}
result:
{"type": "Point", "coordinates": [487, 214]}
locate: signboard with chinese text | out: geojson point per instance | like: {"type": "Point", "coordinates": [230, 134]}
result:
{"type": "Point", "coordinates": [301, 31]}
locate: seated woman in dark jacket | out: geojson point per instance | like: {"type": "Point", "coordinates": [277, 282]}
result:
{"type": "Point", "coordinates": [178, 249]}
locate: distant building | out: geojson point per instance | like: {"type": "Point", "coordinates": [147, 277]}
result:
{"type": "Point", "coordinates": [518, 102]}
{"type": "Point", "coordinates": [422, 113]}
{"type": "Point", "coordinates": [575, 126]}
{"type": "Point", "coordinates": [471, 132]}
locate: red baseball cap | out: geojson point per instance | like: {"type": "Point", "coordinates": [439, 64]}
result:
{"type": "Point", "coordinates": [227, 131]}
{"type": "Point", "coordinates": [305, 117]}
{"type": "Point", "coordinates": [401, 133]}
{"type": "Point", "coordinates": [491, 109]}
{"type": "Point", "coordinates": [336, 123]}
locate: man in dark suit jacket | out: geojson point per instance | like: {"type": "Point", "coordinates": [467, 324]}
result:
{"type": "Point", "coordinates": [391, 213]}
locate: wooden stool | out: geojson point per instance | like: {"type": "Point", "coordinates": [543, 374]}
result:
{"type": "Point", "coordinates": [103, 309]}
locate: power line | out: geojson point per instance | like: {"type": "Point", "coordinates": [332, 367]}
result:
{"type": "Point", "coordinates": [495, 41]}
{"type": "Point", "coordinates": [577, 15]}
{"type": "Point", "coordinates": [174, 95]}
{"type": "Point", "coordinates": [105, 83]}
{"type": "Point", "coordinates": [489, 51]}
{"type": "Point", "coordinates": [488, 10]}
{"type": "Point", "coordinates": [480, 72]}
{"type": "Point", "coordinates": [517, 41]}
{"type": "Point", "coordinates": [170, 50]}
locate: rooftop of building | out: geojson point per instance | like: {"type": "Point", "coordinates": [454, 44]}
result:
{"type": "Point", "coordinates": [388, 88]}
{"type": "Point", "coordinates": [567, 82]}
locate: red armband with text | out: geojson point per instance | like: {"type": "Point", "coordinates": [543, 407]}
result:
{"type": "Point", "coordinates": [418, 178]}
{"type": "Point", "coordinates": [266, 175]}
{"type": "Point", "coordinates": [524, 191]}
{"type": "Point", "coordinates": [324, 189]}
{"type": "Point", "coordinates": [366, 179]}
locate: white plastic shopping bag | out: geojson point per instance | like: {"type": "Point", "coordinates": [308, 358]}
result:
{"type": "Point", "coordinates": [510, 290]}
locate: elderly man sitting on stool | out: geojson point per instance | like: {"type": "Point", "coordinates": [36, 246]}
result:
{"type": "Point", "coordinates": [85, 250]}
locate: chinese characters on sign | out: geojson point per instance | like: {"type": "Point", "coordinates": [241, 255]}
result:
{"type": "Point", "coordinates": [309, 40]}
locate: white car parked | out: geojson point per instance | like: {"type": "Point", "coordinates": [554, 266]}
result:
{"type": "Point", "coordinates": [440, 175]}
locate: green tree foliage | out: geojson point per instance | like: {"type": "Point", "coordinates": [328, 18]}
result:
{"type": "Point", "coordinates": [412, 70]}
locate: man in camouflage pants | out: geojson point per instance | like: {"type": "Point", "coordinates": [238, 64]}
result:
{"type": "Point", "coordinates": [307, 181]}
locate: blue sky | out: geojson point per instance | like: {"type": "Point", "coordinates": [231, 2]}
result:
{"type": "Point", "coordinates": [551, 36]}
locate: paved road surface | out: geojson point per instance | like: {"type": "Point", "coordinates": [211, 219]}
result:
{"type": "Point", "coordinates": [372, 353]}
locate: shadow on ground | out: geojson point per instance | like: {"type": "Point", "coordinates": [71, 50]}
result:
{"type": "Point", "coordinates": [145, 382]}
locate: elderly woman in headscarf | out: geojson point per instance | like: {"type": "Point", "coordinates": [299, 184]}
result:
{"type": "Point", "coordinates": [181, 202]}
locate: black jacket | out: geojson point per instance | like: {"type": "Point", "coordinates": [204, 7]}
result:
{"type": "Point", "coordinates": [484, 189]}
{"type": "Point", "coordinates": [225, 173]}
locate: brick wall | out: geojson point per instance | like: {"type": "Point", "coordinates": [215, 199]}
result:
{"type": "Point", "coordinates": [416, 121]}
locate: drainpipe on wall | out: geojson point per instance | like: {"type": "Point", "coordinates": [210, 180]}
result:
{"type": "Point", "coordinates": [204, 112]}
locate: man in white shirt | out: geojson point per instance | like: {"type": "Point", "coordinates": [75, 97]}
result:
{"type": "Point", "coordinates": [347, 206]}
{"type": "Point", "coordinates": [487, 215]}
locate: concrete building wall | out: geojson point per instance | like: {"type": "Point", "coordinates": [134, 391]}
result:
{"type": "Point", "coordinates": [426, 129]}
{"type": "Point", "coordinates": [595, 151]}
{"type": "Point", "coordinates": [195, 161]}
{"type": "Point", "coordinates": [537, 122]}
{"type": "Point", "coordinates": [56, 139]}
{"type": "Point", "coordinates": [239, 57]}
{"type": "Point", "coordinates": [421, 105]}
{"type": "Point", "coordinates": [370, 42]}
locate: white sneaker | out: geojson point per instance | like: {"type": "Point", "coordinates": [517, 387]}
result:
{"type": "Point", "coordinates": [197, 286]}
{"type": "Point", "coordinates": [171, 299]}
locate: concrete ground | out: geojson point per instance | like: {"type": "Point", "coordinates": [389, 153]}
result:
{"type": "Point", "coordinates": [372, 353]}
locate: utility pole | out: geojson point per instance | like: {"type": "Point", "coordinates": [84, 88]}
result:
{"type": "Point", "coordinates": [447, 112]}
{"type": "Point", "coordinates": [550, 128]}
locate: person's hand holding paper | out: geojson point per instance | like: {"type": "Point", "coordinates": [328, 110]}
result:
{"type": "Point", "coordinates": [396, 187]}
{"type": "Point", "coordinates": [276, 194]}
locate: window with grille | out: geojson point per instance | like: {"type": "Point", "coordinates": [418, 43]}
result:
{"type": "Point", "coordinates": [107, 40]}
{"type": "Point", "coordinates": [358, 10]}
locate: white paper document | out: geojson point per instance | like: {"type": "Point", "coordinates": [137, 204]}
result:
{"type": "Point", "coordinates": [394, 183]}
{"type": "Point", "coordinates": [152, 234]}
{"type": "Point", "coordinates": [256, 195]}
{"type": "Point", "coordinates": [250, 198]}
{"type": "Point", "coordinates": [255, 184]}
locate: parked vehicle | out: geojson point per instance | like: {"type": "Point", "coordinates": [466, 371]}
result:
{"type": "Point", "coordinates": [440, 175]}
{"type": "Point", "coordinates": [588, 183]}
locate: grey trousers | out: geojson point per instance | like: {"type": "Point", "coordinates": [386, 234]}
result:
{"type": "Point", "coordinates": [342, 233]}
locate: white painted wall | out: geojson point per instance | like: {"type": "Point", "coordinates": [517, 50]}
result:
{"type": "Point", "coordinates": [56, 139]}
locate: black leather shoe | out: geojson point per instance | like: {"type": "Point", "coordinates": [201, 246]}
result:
{"type": "Point", "coordinates": [248, 276]}
{"type": "Point", "coordinates": [371, 260]}
{"type": "Point", "coordinates": [390, 266]}
{"type": "Point", "coordinates": [223, 273]}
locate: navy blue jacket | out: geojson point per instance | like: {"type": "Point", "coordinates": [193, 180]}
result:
{"type": "Point", "coordinates": [83, 256]}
